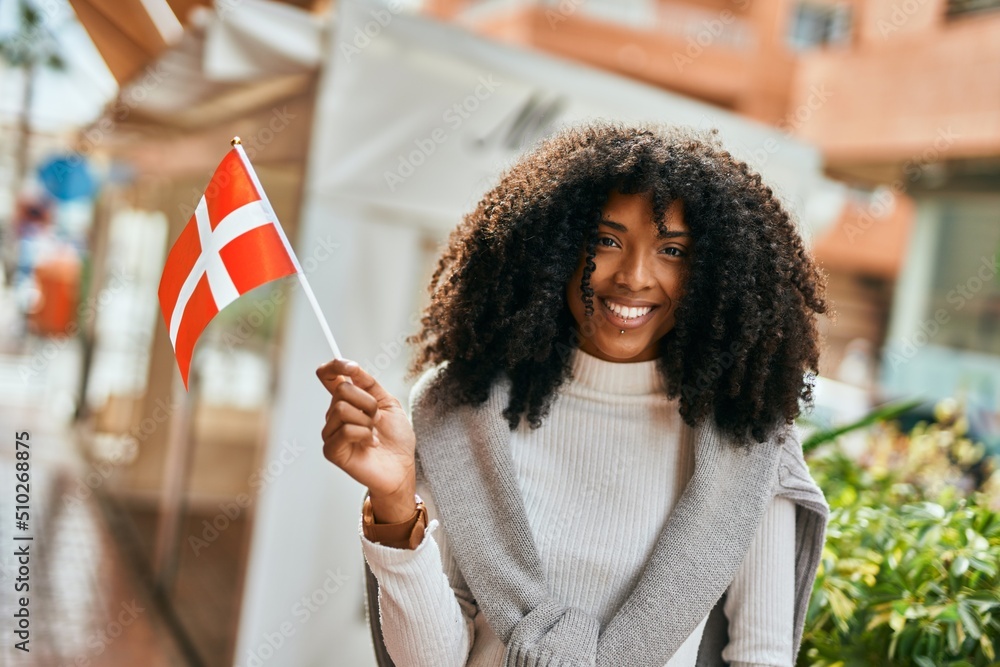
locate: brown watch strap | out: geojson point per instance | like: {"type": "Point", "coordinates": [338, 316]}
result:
{"type": "Point", "coordinates": [406, 534]}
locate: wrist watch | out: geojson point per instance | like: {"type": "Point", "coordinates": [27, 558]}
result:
{"type": "Point", "coordinates": [406, 534]}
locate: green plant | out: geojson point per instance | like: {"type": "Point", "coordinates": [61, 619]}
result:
{"type": "Point", "coordinates": [910, 575]}
{"type": "Point", "coordinates": [916, 585]}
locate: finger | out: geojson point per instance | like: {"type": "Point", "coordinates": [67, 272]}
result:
{"type": "Point", "coordinates": [333, 372]}
{"type": "Point", "coordinates": [338, 447]}
{"type": "Point", "coordinates": [341, 413]}
{"type": "Point", "coordinates": [359, 398]}
{"type": "Point", "coordinates": [336, 382]}
{"type": "Point", "coordinates": [358, 375]}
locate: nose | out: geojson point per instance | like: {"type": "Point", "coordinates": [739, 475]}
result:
{"type": "Point", "coordinates": [633, 273]}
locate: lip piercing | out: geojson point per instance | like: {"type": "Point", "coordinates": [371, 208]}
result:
{"type": "Point", "coordinates": [623, 331]}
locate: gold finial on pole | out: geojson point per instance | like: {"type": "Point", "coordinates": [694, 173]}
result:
{"type": "Point", "coordinates": [235, 142]}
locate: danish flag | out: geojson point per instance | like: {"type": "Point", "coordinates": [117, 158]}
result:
{"type": "Point", "coordinates": [232, 244]}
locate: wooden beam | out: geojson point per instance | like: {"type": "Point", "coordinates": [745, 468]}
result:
{"type": "Point", "coordinates": [123, 55]}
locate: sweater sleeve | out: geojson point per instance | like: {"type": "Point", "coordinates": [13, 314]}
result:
{"type": "Point", "coordinates": [425, 606]}
{"type": "Point", "coordinates": [761, 600]}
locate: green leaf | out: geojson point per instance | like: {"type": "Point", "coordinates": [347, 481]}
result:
{"type": "Point", "coordinates": [969, 621]}
{"type": "Point", "coordinates": [984, 565]}
{"type": "Point", "coordinates": [954, 642]}
{"type": "Point", "coordinates": [987, 645]}
{"type": "Point", "coordinates": [883, 413]}
{"type": "Point", "coordinates": [985, 597]}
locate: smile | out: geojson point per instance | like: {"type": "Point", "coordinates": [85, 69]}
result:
{"type": "Point", "coordinates": [625, 317]}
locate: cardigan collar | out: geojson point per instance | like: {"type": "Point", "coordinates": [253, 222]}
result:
{"type": "Point", "coordinates": [465, 457]}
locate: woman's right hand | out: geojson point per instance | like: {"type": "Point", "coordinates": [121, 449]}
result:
{"type": "Point", "coordinates": [368, 435]}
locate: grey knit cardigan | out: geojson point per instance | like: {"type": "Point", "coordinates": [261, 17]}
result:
{"type": "Point", "coordinates": [463, 455]}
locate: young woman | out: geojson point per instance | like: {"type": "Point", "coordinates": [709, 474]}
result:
{"type": "Point", "coordinates": [618, 340]}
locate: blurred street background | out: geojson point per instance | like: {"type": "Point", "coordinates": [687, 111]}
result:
{"type": "Point", "coordinates": [204, 527]}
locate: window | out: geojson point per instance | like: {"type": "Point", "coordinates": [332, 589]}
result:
{"type": "Point", "coordinates": [958, 8]}
{"type": "Point", "coordinates": [816, 24]}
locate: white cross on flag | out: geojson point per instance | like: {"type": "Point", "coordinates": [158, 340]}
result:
{"type": "Point", "coordinates": [232, 244]}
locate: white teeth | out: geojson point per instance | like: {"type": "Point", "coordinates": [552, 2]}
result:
{"type": "Point", "coordinates": [627, 313]}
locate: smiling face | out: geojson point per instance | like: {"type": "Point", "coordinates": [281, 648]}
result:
{"type": "Point", "coordinates": [638, 280]}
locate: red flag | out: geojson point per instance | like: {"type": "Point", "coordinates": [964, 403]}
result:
{"type": "Point", "coordinates": [232, 244]}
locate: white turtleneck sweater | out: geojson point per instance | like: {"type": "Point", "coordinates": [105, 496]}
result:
{"type": "Point", "coordinates": [598, 479]}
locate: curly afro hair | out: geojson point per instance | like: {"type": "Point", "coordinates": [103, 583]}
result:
{"type": "Point", "coordinates": [745, 345]}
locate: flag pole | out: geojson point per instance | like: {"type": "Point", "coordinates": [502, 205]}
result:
{"type": "Point", "coordinates": [310, 296]}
